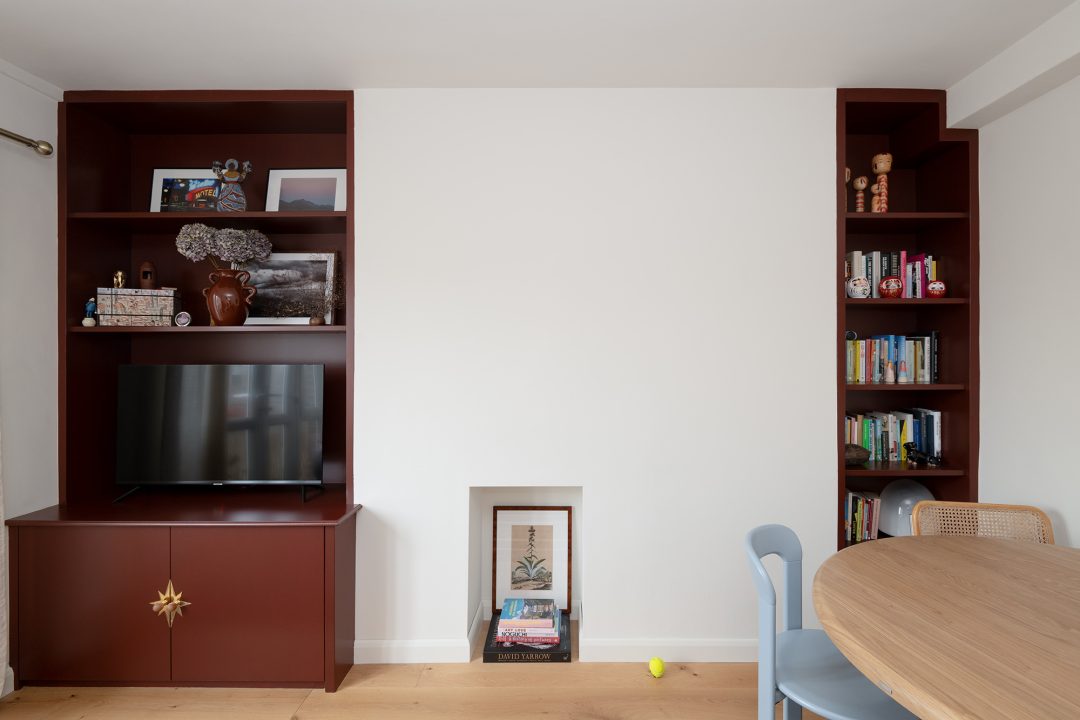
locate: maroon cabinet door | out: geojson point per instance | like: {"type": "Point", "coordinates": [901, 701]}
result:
{"type": "Point", "coordinates": [84, 598]}
{"type": "Point", "coordinates": [256, 612]}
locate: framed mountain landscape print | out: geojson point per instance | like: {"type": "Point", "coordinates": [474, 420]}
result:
{"type": "Point", "coordinates": [531, 554]}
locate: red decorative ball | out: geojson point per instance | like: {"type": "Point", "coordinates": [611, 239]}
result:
{"type": "Point", "coordinates": [936, 289]}
{"type": "Point", "coordinates": [891, 287]}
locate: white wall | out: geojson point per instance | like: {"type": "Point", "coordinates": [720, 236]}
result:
{"type": "Point", "coordinates": [624, 290]}
{"type": "Point", "coordinates": [28, 363]}
{"type": "Point", "coordinates": [1029, 348]}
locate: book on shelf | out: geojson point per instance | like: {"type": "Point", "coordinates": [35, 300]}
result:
{"type": "Point", "coordinates": [884, 434]}
{"type": "Point", "coordinates": [528, 613]}
{"type": "Point", "coordinates": [862, 512]}
{"type": "Point", "coordinates": [530, 636]}
{"type": "Point", "coordinates": [894, 359]}
{"type": "Point", "coordinates": [914, 271]}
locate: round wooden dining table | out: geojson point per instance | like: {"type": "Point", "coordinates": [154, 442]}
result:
{"type": "Point", "coordinates": [959, 627]}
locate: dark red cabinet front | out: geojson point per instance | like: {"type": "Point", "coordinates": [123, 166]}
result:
{"type": "Point", "coordinates": [83, 605]}
{"type": "Point", "coordinates": [256, 611]}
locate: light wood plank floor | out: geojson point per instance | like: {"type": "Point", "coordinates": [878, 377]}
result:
{"type": "Point", "coordinates": [472, 691]}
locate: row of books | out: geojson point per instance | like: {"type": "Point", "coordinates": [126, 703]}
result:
{"type": "Point", "coordinates": [861, 513]}
{"type": "Point", "coordinates": [888, 359]}
{"type": "Point", "coordinates": [915, 271]}
{"type": "Point", "coordinates": [884, 434]}
{"type": "Point", "coordinates": [530, 621]}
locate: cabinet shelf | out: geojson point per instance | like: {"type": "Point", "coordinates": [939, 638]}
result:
{"type": "Point", "coordinates": [899, 222]}
{"type": "Point", "coordinates": [170, 222]}
{"type": "Point", "coordinates": [903, 302]}
{"type": "Point", "coordinates": [896, 469]}
{"type": "Point", "coordinates": [904, 387]}
{"type": "Point", "coordinates": [113, 330]}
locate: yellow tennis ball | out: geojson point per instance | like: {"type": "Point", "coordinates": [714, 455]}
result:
{"type": "Point", "coordinates": [656, 667]}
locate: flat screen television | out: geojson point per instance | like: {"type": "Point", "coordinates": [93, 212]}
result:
{"type": "Point", "coordinates": [219, 424]}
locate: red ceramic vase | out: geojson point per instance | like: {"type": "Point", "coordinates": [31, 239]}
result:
{"type": "Point", "coordinates": [229, 297]}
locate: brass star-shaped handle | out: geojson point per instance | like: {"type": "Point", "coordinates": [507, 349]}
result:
{"type": "Point", "coordinates": [169, 604]}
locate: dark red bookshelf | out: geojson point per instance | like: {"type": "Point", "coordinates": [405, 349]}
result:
{"type": "Point", "coordinates": [217, 544]}
{"type": "Point", "coordinates": [934, 208]}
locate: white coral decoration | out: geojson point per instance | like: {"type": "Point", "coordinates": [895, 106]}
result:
{"type": "Point", "coordinates": [198, 242]}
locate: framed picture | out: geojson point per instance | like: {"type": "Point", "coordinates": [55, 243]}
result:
{"type": "Point", "coordinates": [184, 190]}
{"type": "Point", "coordinates": [531, 554]}
{"type": "Point", "coordinates": [291, 288]}
{"type": "Point", "coordinates": [306, 190]}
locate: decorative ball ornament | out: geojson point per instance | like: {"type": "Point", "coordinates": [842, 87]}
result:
{"type": "Point", "coordinates": [656, 667]}
{"type": "Point", "coordinates": [857, 287]}
{"type": "Point", "coordinates": [890, 287]}
{"type": "Point", "coordinates": [936, 289]}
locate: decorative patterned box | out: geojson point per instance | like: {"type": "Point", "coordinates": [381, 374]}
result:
{"type": "Point", "coordinates": [129, 307]}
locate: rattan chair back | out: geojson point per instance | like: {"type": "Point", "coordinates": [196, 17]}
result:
{"type": "Point", "coordinates": [1011, 522]}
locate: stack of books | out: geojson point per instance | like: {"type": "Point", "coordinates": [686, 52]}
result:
{"type": "Point", "coordinates": [529, 621]}
{"type": "Point", "coordinates": [885, 434]}
{"type": "Point", "coordinates": [528, 630]}
{"type": "Point", "coordinates": [887, 359]}
{"type": "Point", "coordinates": [915, 271]}
{"type": "Point", "coordinates": [861, 513]}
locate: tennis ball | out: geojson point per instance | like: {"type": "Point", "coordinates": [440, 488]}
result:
{"type": "Point", "coordinates": [656, 667]}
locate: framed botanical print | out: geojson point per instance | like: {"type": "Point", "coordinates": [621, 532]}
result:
{"type": "Point", "coordinates": [531, 554]}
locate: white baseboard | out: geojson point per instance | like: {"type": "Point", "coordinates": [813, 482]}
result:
{"type": "Point", "coordinates": [9, 681]}
{"type": "Point", "coordinates": [476, 627]}
{"type": "Point", "coordinates": [368, 652]}
{"type": "Point", "coordinates": [670, 649]}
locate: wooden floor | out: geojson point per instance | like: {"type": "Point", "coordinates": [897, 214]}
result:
{"type": "Point", "coordinates": [472, 691]}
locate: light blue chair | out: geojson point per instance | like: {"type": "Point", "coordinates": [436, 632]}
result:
{"type": "Point", "coordinates": [802, 667]}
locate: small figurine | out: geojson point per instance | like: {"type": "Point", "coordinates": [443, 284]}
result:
{"type": "Point", "coordinates": [147, 275]}
{"type": "Point", "coordinates": [875, 198]}
{"type": "Point", "coordinates": [231, 197]}
{"type": "Point", "coordinates": [847, 179]}
{"type": "Point", "coordinates": [936, 289]}
{"type": "Point", "coordinates": [91, 308]}
{"type": "Point", "coordinates": [860, 184]}
{"type": "Point", "coordinates": [915, 456]}
{"type": "Point", "coordinates": [857, 287]}
{"type": "Point", "coordinates": [882, 166]}
{"type": "Point", "coordinates": [890, 373]}
{"type": "Point", "coordinates": [890, 287]}
{"type": "Point", "coordinates": [119, 278]}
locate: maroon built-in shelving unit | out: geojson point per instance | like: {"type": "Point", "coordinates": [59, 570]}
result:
{"type": "Point", "coordinates": [933, 208]}
{"type": "Point", "coordinates": [229, 550]}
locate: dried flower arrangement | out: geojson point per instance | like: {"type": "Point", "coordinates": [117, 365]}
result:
{"type": "Point", "coordinates": [198, 242]}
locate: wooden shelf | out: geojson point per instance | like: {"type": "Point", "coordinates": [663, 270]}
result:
{"type": "Point", "coordinates": [899, 222]}
{"type": "Point", "coordinates": [902, 387]}
{"type": "Point", "coordinates": [170, 222]}
{"type": "Point", "coordinates": [904, 302]}
{"type": "Point", "coordinates": [172, 329]}
{"type": "Point", "coordinates": [890, 470]}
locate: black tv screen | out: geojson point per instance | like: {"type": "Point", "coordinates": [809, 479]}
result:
{"type": "Point", "coordinates": [219, 424]}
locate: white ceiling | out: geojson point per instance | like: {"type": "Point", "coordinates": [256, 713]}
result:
{"type": "Point", "coordinates": [140, 44]}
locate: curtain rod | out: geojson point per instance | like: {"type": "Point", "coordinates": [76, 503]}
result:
{"type": "Point", "coordinates": [39, 146]}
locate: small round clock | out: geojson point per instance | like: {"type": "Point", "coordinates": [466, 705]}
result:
{"type": "Point", "coordinates": [183, 318]}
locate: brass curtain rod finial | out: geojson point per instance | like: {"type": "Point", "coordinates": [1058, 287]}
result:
{"type": "Point", "coordinates": [39, 146]}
